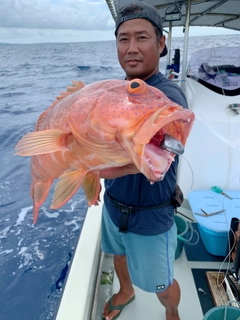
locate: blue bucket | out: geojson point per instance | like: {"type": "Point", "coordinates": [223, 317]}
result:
{"type": "Point", "coordinates": [182, 229]}
{"type": "Point", "coordinates": [217, 313]}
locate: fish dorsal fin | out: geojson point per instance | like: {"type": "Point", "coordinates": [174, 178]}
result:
{"type": "Point", "coordinates": [66, 187]}
{"type": "Point", "coordinates": [42, 142]}
{"type": "Point", "coordinates": [76, 86]}
{"type": "Point", "coordinates": [91, 186]}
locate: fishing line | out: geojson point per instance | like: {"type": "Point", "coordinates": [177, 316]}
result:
{"type": "Point", "coordinates": [230, 156]}
{"type": "Point", "coordinates": [230, 148]}
{"type": "Point", "coordinates": [227, 305]}
{"type": "Point", "coordinates": [191, 177]}
{"type": "Point", "coordinates": [230, 249]}
{"type": "Point", "coordinates": [191, 170]}
{"type": "Point", "coordinates": [222, 204]}
{"type": "Point", "coordinates": [228, 181]}
{"type": "Point", "coordinates": [225, 259]}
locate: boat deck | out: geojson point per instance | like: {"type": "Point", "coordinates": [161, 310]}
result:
{"type": "Point", "coordinates": [84, 293]}
{"type": "Point", "coordinates": [146, 304]}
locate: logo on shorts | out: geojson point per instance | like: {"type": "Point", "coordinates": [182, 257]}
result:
{"type": "Point", "coordinates": [161, 287]}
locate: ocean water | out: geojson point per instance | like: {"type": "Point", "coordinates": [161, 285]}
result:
{"type": "Point", "coordinates": [35, 259]}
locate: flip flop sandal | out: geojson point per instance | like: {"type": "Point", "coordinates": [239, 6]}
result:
{"type": "Point", "coordinates": [118, 307]}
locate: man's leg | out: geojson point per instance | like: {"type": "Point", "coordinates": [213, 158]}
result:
{"type": "Point", "coordinates": [170, 298]}
{"type": "Point", "coordinates": [126, 290]}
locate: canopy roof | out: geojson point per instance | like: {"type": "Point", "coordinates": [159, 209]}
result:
{"type": "Point", "coordinates": [211, 13]}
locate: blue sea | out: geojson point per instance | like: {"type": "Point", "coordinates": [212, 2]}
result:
{"type": "Point", "coordinates": [35, 259]}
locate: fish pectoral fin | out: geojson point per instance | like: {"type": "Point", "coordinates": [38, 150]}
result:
{"type": "Point", "coordinates": [39, 192]}
{"type": "Point", "coordinates": [92, 187]}
{"type": "Point", "coordinates": [42, 142]}
{"type": "Point", "coordinates": [66, 187]}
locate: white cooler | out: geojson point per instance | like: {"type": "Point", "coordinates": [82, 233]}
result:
{"type": "Point", "coordinates": [214, 229]}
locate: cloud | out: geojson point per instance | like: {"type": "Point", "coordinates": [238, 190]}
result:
{"type": "Point", "coordinates": [19, 35]}
{"type": "Point", "coordinates": [56, 14]}
{"type": "Point", "coordinates": [32, 21]}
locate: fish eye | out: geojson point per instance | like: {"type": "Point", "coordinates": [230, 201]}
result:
{"type": "Point", "coordinates": [137, 86]}
{"type": "Point", "coordinates": [134, 84]}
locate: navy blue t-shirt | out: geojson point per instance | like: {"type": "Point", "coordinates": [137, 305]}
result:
{"type": "Point", "coordinates": [135, 190]}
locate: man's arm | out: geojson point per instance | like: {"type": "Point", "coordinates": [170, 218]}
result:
{"type": "Point", "coordinates": [112, 173]}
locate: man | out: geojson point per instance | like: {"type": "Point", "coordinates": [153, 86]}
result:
{"type": "Point", "coordinates": [143, 241]}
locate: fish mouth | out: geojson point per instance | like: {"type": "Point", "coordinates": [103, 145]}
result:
{"type": "Point", "coordinates": [157, 157]}
{"type": "Point", "coordinates": [161, 138]}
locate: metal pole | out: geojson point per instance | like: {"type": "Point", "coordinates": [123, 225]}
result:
{"type": "Point", "coordinates": [185, 46]}
{"type": "Point", "coordinates": [169, 43]}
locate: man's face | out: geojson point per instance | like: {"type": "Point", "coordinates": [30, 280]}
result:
{"type": "Point", "coordinates": [138, 48]}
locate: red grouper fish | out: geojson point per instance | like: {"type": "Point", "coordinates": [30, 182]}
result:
{"type": "Point", "coordinates": [106, 124]}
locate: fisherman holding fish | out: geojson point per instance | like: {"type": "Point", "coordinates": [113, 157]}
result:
{"type": "Point", "coordinates": [129, 132]}
{"type": "Point", "coordinates": [138, 217]}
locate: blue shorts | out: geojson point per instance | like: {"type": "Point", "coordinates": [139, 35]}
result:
{"type": "Point", "coordinates": [150, 258]}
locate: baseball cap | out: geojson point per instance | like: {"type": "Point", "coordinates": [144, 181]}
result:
{"type": "Point", "coordinates": [146, 11]}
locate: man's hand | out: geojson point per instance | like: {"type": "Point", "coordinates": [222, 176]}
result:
{"type": "Point", "coordinates": [112, 173]}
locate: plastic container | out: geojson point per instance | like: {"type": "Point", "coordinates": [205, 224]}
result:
{"type": "Point", "coordinates": [214, 229]}
{"type": "Point", "coordinates": [217, 313]}
{"type": "Point", "coordinates": [182, 228]}
{"type": "Point", "coordinates": [215, 242]}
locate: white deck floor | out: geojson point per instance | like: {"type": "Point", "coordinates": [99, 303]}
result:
{"type": "Point", "coordinates": [146, 305]}
{"type": "Point", "coordinates": [84, 298]}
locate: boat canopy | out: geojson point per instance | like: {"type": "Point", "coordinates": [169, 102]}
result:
{"type": "Point", "coordinates": [186, 14]}
{"type": "Point", "coordinates": [207, 13]}
{"type": "Point", "coordinates": [217, 68]}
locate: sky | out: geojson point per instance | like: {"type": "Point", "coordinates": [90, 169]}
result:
{"type": "Point", "coordinates": [33, 21]}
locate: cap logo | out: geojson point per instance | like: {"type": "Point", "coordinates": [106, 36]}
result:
{"type": "Point", "coordinates": [131, 16]}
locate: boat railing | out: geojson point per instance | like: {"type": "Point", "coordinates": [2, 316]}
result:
{"type": "Point", "coordinates": [80, 292]}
